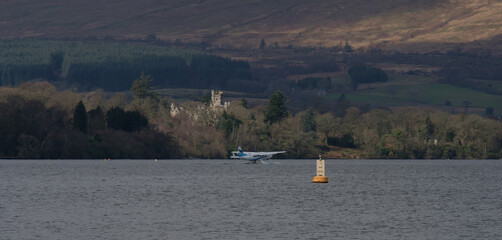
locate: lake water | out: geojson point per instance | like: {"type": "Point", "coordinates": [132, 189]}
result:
{"type": "Point", "coordinates": [227, 199]}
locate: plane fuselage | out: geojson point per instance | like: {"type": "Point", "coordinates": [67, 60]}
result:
{"type": "Point", "coordinates": [253, 156]}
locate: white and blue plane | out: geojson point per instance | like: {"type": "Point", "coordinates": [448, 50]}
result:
{"type": "Point", "coordinates": [252, 157]}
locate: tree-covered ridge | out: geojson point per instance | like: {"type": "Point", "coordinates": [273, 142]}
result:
{"type": "Point", "coordinates": [114, 66]}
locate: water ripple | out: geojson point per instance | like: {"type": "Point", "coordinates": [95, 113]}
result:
{"type": "Point", "coordinates": [223, 199]}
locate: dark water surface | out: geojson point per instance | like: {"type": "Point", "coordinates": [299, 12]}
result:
{"type": "Point", "coordinates": [226, 199]}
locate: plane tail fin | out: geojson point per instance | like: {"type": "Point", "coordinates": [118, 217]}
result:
{"type": "Point", "coordinates": [239, 149]}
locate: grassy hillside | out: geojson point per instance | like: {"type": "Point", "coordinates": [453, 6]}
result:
{"type": "Point", "coordinates": [403, 90]}
{"type": "Point", "coordinates": [242, 23]}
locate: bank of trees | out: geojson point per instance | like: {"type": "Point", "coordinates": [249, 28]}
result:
{"type": "Point", "coordinates": [361, 73]}
{"type": "Point", "coordinates": [37, 121]}
{"type": "Point", "coordinates": [406, 133]}
{"type": "Point", "coordinates": [379, 133]}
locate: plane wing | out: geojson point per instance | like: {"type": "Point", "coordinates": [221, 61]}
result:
{"type": "Point", "coordinates": [265, 153]}
{"type": "Point", "coordinates": [253, 156]}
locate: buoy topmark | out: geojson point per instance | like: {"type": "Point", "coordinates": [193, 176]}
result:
{"type": "Point", "coordinates": [321, 173]}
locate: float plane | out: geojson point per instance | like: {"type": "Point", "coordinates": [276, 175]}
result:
{"type": "Point", "coordinates": [252, 157]}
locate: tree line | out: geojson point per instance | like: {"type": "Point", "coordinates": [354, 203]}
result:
{"type": "Point", "coordinates": [35, 123]}
{"type": "Point", "coordinates": [379, 133]}
{"type": "Point", "coordinates": [39, 121]}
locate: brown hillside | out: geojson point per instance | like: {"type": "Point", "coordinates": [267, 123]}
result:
{"type": "Point", "coordinates": [242, 23]}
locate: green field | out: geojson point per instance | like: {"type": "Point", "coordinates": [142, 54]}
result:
{"type": "Point", "coordinates": [195, 94]}
{"type": "Point", "coordinates": [416, 90]}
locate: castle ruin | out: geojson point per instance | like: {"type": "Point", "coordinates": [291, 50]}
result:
{"type": "Point", "coordinates": [200, 112]}
{"type": "Point", "coordinates": [216, 100]}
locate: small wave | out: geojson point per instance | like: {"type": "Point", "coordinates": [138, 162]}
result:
{"type": "Point", "coordinates": [268, 162]}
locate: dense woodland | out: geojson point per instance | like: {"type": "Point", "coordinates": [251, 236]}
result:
{"type": "Point", "coordinates": [38, 121]}
{"type": "Point", "coordinates": [113, 67]}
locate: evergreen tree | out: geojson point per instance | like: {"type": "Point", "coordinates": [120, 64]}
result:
{"type": "Point", "coordinates": [308, 123]}
{"type": "Point", "coordinates": [244, 103]}
{"type": "Point", "coordinates": [130, 121]}
{"type": "Point", "coordinates": [429, 127]}
{"type": "Point", "coordinates": [205, 99]}
{"type": "Point", "coordinates": [134, 121]}
{"type": "Point", "coordinates": [80, 117]}
{"type": "Point", "coordinates": [347, 47]}
{"type": "Point", "coordinates": [450, 135]}
{"type": "Point", "coordinates": [141, 87]}
{"type": "Point", "coordinates": [96, 119]}
{"type": "Point", "coordinates": [276, 109]}
{"type": "Point", "coordinates": [229, 123]}
{"type": "Point", "coordinates": [115, 118]}
{"type": "Point", "coordinates": [262, 44]}
{"type": "Point", "coordinates": [360, 73]}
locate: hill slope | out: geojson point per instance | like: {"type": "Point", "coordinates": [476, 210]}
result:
{"type": "Point", "coordinates": [242, 23]}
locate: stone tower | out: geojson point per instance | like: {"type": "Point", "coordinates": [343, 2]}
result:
{"type": "Point", "coordinates": [216, 98]}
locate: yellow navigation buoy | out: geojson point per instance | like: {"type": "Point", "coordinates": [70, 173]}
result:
{"type": "Point", "coordinates": [321, 173]}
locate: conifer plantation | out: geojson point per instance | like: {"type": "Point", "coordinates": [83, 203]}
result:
{"type": "Point", "coordinates": [114, 66]}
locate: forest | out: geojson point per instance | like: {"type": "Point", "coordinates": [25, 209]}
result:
{"type": "Point", "coordinates": [39, 121]}
{"type": "Point", "coordinates": [114, 66]}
